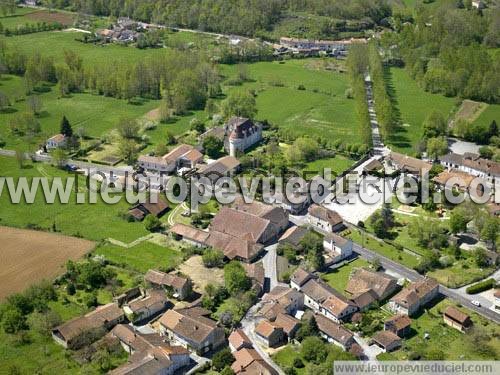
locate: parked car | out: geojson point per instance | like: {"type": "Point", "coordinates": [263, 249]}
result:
{"type": "Point", "coordinates": [475, 303]}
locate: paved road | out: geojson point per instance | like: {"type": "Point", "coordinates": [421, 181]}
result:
{"type": "Point", "coordinates": [269, 264]}
{"type": "Point", "coordinates": [458, 295]}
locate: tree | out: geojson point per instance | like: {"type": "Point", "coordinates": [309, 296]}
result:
{"type": "Point", "coordinates": [308, 328]}
{"type": "Point", "coordinates": [13, 320]}
{"type": "Point", "coordinates": [20, 157]}
{"type": "Point", "coordinates": [197, 125]}
{"type": "Point", "coordinates": [490, 231]}
{"type": "Point", "coordinates": [127, 149]}
{"type": "Point", "coordinates": [165, 111]}
{"type": "Point", "coordinates": [434, 125]}
{"type": "Point", "coordinates": [212, 146]}
{"type": "Point", "coordinates": [66, 129]}
{"type": "Point", "coordinates": [152, 223]}
{"type": "Point", "coordinates": [313, 349]}
{"type": "Point", "coordinates": [239, 103]}
{"type": "Point", "coordinates": [34, 104]}
{"type": "Point", "coordinates": [213, 258]}
{"type": "Point", "coordinates": [486, 152]}
{"type": "Point", "coordinates": [235, 278]}
{"type": "Point", "coordinates": [222, 358]}
{"type": "Point", "coordinates": [4, 101]}
{"type": "Point", "coordinates": [170, 138]}
{"type": "Point", "coordinates": [458, 220]}
{"type": "Point", "coordinates": [59, 157]}
{"type": "Point", "coordinates": [436, 147]}
{"type": "Point", "coordinates": [481, 257]}
{"type": "Point", "coordinates": [387, 216]}
{"type": "Point", "coordinates": [128, 128]}
{"type": "Point", "coordinates": [303, 149]}
{"type": "Point", "coordinates": [43, 323]}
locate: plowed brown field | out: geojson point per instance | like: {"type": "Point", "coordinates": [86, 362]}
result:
{"type": "Point", "coordinates": [28, 256]}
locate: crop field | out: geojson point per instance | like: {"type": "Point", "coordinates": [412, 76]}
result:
{"type": "Point", "coordinates": [414, 105]}
{"type": "Point", "coordinates": [29, 256]}
{"type": "Point", "coordinates": [318, 109]}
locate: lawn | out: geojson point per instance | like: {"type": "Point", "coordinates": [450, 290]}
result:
{"type": "Point", "coordinates": [320, 110]}
{"type": "Point", "coordinates": [458, 346]}
{"type": "Point", "coordinates": [286, 356]}
{"type": "Point", "coordinates": [339, 277]}
{"type": "Point", "coordinates": [96, 114]}
{"type": "Point", "coordinates": [337, 164]}
{"type": "Point", "coordinates": [414, 105]}
{"type": "Point", "coordinates": [92, 221]}
{"type": "Point", "coordinates": [384, 249]}
{"type": "Point", "coordinates": [141, 257]}
{"type": "Point", "coordinates": [492, 112]}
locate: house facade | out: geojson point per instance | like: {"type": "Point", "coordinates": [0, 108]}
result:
{"type": "Point", "coordinates": [324, 219]}
{"type": "Point", "coordinates": [57, 141]}
{"type": "Point", "coordinates": [414, 297]}
{"type": "Point", "coordinates": [243, 134]}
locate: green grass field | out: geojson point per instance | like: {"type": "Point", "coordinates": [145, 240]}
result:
{"type": "Point", "coordinates": [414, 105]}
{"type": "Point", "coordinates": [458, 346]}
{"type": "Point", "coordinates": [96, 114]}
{"type": "Point", "coordinates": [492, 112]}
{"type": "Point", "coordinates": [141, 257]}
{"type": "Point", "coordinates": [337, 164]}
{"type": "Point", "coordinates": [92, 221]}
{"type": "Point", "coordinates": [339, 278]}
{"type": "Point", "coordinates": [321, 110]}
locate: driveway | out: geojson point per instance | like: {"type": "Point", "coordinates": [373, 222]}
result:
{"type": "Point", "coordinates": [371, 351]}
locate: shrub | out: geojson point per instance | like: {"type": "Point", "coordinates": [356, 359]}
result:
{"type": "Point", "coordinates": [213, 258]}
{"type": "Point", "coordinates": [301, 87]}
{"type": "Point", "coordinates": [481, 286]}
{"type": "Point", "coordinates": [297, 363]}
{"type": "Point", "coordinates": [152, 223]}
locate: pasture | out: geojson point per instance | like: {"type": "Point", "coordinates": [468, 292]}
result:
{"type": "Point", "coordinates": [302, 98]}
{"type": "Point", "coordinates": [97, 115]}
{"type": "Point", "coordinates": [414, 105]}
{"type": "Point", "coordinates": [492, 112]}
{"type": "Point", "coordinates": [29, 256]}
{"type": "Point", "coordinates": [91, 221]}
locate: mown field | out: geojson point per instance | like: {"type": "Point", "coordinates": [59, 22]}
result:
{"type": "Point", "coordinates": [91, 221]}
{"type": "Point", "coordinates": [319, 110]}
{"type": "Point", "coordinates": [492, 112]}
{"type": "Point", "coordinates": [414, 105]}
{"type": "Point", "coordinates": [96, 114]}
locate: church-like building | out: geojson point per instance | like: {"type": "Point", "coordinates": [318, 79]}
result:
{"type": "Point", "coordinates": [242, 134]}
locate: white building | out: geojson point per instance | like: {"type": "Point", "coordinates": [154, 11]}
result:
{"type": "Point", "coordinates": [243, 134]}
{"type": "Point", "coordinates": [58, 140]}
{"type": "Point", "coordinates": [337, 248]}
{"type": "Point", "coordinates": [183, 156]}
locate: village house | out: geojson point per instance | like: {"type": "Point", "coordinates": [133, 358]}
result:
{"type": "Point", "coordinates": [293, 236]}
{"type": "Point", "coordinates": [387, 340]}
{"type": "Point", "coordinates": [249, 362]}
{"type": "Point", "coordinates": [147, 306]}
{"type": "Point", "coordinates": [57, 141]}
{"type": "Point", "coordinates": [180, 287]}
{"type": "Point", "coordinates": [183, 156]}
{"type": "Point", "coordinates": [399, 325]}
{"type": "Point", "coordinates": [299, 278]}
{"type": "Point", "coordinates": [281, 299]}
{"type": "Point", "coordinates": [365, 299]}
{"type": "Point", "coordinates": [188, 234]}
{"type": "Point", "coordinates": [460, 180]}
{"type": "Point", "coordinates": [457, 319]}
{"type": "Point", "coordinates": [141, 210]}
{"type": "Point", "coordinates": [308, 46]}
{"type": "Point", "coordinates": [256, 273]}
{"type": "Point", "coordinates": [127, 296]}
{"type": "Point", "coordinates": [338, 308]}
{"type": "Point", "coordinates": [289, 324]}
{"type": "Point", "coordinates": [324, 219]}
{"type": "Point", "coordinates": [95, 323]}
{"type": "Point", "coordinates": [270, 333]}
{"type": "Point", "coordinates": [414, 297]}
{"type": "Point", "coordinates": [337, 248]}
{"type": "Point", "coordinates": [334, 333]}
{"type": "Point", "coordinates": [322, 298]}
{"type": "Point", "coordinates": [362, 280]}
{"type": "Point", "coordinates": [243, 134]}
{"type": "Point", "coordinates": [407, 164]}
{"type": "Point", "coordinates": [472, 164]}
{"type": "Point", "coordinates": [296, 202]}
{"type": "Point", "coordinates": [241, 230]}
{"type": "Point", "coordinates": [239, 340]}
{"type": "Point", "coordinates": [226, 166]}
{"type": "Point", "coordinates": [148, 353]}
{"type": "Point", "coordinates": [192, 329]}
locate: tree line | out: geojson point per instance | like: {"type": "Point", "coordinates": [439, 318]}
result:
{"type": "Point", "coordinates": [357, 66]}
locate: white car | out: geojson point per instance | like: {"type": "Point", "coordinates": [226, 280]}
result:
{"type": "Point", "coordinates": [476, 303]}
